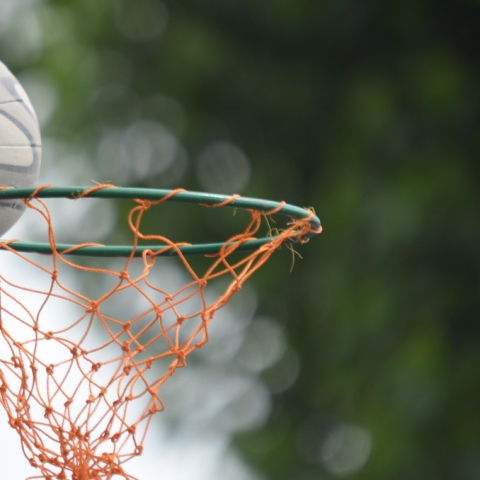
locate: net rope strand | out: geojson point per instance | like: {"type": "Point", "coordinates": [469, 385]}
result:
{"type": "Point", "coordinates": [79, 382]}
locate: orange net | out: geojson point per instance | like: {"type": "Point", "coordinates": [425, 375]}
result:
{"type": "Point", "coordinates": [82, 364]}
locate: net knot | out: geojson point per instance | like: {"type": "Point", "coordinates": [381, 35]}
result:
{"type": "Point", "coordinates": [75, 433]}
{"type": "Point", "coordinates": [155, 409]}
{"type": "Point", "coordinates": [144, 204]}
{"type": "Point", "coordinates": [123, 275]}
{"type": "Point", "coordinates": [75, 353]}
{"type": "Point", "coordinates": [22, 405]}
{"type": "Point", "coordinates": [54, 274]}
{"type": "Point", "coordinates": [181, 355]}
{"type": "Point", "coordinates": [17, 361]}
{"type": "Point", "coordinates": [93, 308]}
{"type": "Point", "coordinates": [96, 367]}
{"type": "Point", "coordinates": [14, 423]}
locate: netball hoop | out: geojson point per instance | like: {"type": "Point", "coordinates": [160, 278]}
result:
{"type": "Point", "coordinates": [80, 374]}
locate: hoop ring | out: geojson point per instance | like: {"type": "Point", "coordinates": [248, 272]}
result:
{"type": "Point", "coordinates": [112, 192]}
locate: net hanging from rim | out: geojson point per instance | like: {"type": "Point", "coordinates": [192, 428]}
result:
{"type": "Point", "coordinates": [81, 374]}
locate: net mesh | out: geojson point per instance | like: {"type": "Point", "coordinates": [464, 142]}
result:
{"type": "Point", "coordinates": [81, 373]}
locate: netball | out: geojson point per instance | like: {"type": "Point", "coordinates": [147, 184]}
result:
{"type": "Point", "coordinates": [20, 145]}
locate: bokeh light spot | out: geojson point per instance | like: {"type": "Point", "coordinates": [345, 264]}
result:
{"type": "Point", "coordinates": [43, 95]}
{"type": "Point", "coordinates": [223, 167]}
{"type": "Point", "coordinates": [23, 33]}
{"type": "Point", "coordinates": [346, 449]}
{"type": "Point", "coordinates": [143, 150]}
{"type": "Point", "coordinates": [264, 346]}
{"type": "Point", "coordinates": [141, 20]}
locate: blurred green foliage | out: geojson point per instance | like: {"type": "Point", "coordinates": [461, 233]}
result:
{"type": "Point", "coordinates": [369, 111]}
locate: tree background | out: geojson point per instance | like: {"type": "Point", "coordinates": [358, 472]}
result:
{"type": "Point", "coordinates": [368, 111]}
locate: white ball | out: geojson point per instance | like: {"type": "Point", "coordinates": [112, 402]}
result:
{"type": "Point", "coordinates": [20, 145]}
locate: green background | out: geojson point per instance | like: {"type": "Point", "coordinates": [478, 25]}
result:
{"type": "Point", "coordinates": [369, 112]}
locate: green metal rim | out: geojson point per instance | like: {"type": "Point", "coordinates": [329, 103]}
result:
{"type": "Point", "coordinates": [211, 199]}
